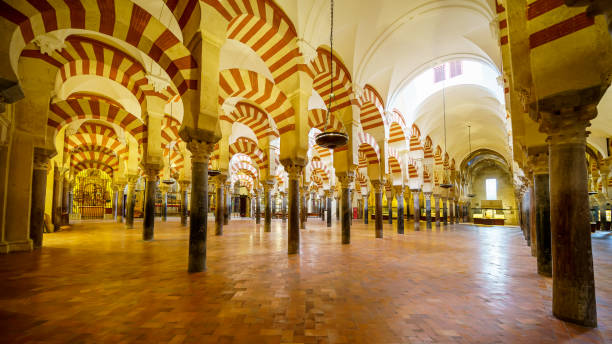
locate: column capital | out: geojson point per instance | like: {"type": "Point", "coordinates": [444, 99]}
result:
{"type": "Point", "coordinates": [151, 171]}
{"type": "Point", "coordinates": [132, 179]}
{"type": "Point", "coordinates": [184, 184]}
{"type": "Point", "coordinates": [267, 185]}
{"type": "Point", "coordinates": [345, 178]}
{"type": "Point", "coordinates": [220, 179]}
{"type": "Point", "coordinates": [41, 158]}
{"type": "Point", "coordinates": [399, 190]}
{"type": "Point", "coordinates": [377, 185]}
{"type": "Point", "coordinates": [538, 162]}
{"type": "Point", "coordinates": [294, 168]}
{"type": "Point", "coordinates": [200, 151]}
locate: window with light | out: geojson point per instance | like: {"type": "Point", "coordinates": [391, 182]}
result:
{"type": "Point", "coordinates": [491, 189]}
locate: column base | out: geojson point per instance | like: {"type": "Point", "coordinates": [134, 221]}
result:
{"type": "Point", "coordinates": [16, 246]}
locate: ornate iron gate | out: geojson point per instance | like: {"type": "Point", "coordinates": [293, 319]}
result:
{"type": "Point", "coordinates": [92, 196]}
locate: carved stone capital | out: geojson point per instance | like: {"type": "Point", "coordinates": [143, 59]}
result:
{"type": "Point", "coordinates": [346, 179]}
{"type": "Point", "coordinates": [538, 163]}
{"type": "Point", "coordinates": [294, 170]}
{"type": "Point", "coordinates": [41, 159]}
{"type": "Point", "coordinates": [200, 151]}
{"type": "Point", "coordinates": [378, 185]}
{"type": "Point", "coordinates": [399, 190]}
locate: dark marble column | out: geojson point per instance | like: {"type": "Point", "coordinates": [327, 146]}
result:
{"type": "Point", "coordinates": [303, 208]}
{"type": "Point", "coordinates": [542, 212]}
{"type": "Point", "coordinates": [399, 195]}
{"type": "Point", "coordinates": [65, 201]}
{"type": "Point", "coordinates": [120, 204]}
{"type": "Point", "coordinates": [184, 198]}
{"type": "Point", "coordinates": [346, 178]}
{"type": "Point", "coordinates": [532, 219]}
{"type": "Point", "coordinates": [427, 196]}
{"type": "Point", "coordinates": [39, 191]}
{"type": "Point", "coordinates": [131, 196]}
{"type": "Point", "coordinates": [148, 223]}
{"type": "Point", "coordinates": [437, 207]}
{"type": "Point", "coordinates": [56, 210]}
{"type": "Point", "coordinates": [366, 211]}
{"type": "Point", "coordinates": [284, 196]}
{"type": "Point", "coordinates": [227, 207]}
{"type": "Point", "coordinates": [198, 219]}
{"type": "Point", "coordinates": [378, 189]}
{"type": "Point", "coordinates": [268, 206]}
{"type": "Point", "coordinates": [220, 211]}
{"type": "Point", "coordinates": [572, 257]}
{"type": "Point", "coordinates": [294, 172]}
{"type": "Point", "coordinates": [115, 200]}
{"type": "Point", "coordinates": [417, 209]}
{"type": "Point", "coordinates": [329, 208]}
{"type": "Point", "coordinates": [164, 204]}
{"type": "Point", "coordinates": [390, 206]}
{"type": "Point", "coordinates": [337, 206]}
{"type": "Point", "coordinates": [257, 208]}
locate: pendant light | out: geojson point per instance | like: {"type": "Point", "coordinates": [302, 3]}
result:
{"type": "Point", "coordinates": [470, 194]}
{"type": "Point", "coordinates": [446, 180]}
{"type": "Point", "coordinates": [332, 139]}
{"type": "Point", "coordinates": [169, 180]}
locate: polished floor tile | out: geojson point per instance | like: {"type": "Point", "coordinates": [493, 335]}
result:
{"type": "Point", "coordinates": [99, 283]}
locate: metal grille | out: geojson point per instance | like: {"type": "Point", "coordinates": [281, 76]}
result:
{"type": "Point", "coordinates": [91, 195]}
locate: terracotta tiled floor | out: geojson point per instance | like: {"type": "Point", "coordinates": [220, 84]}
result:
{"type": "Point", "coordinates": [98, 282]}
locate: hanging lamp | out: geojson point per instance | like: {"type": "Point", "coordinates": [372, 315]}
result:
{"type": "Point", "coordinates": [169, 180]}
{"type": "Point", "coordinates": [331, 139]}
{"type": "Point", "coordinates": [446, 180]}
{"type": "Point", "coordinates": [470, 194]}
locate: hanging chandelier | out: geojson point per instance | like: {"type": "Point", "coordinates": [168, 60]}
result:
{"type": "Point", "coordinates": [471, 193]}
{"type": "Point", "coordinates": [331, 139]}
{"type": "Point", "coordinates": [446, 178]}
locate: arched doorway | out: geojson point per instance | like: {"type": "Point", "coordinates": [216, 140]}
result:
{"type": "Point", "coordinates": [92, 195]}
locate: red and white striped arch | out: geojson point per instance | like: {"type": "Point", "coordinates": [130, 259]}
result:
{"type": "Point", "coordinates": [438, 156]}
{"type": "Point", "coordinates": [445, 161]}
{"type": "Point", "coordinates": [323, 67]}
{"type": "Point", "coordinates": [97, 165]}
{"type": "Point", "coordinates": [264, 27]}
{"type": "Point", "coordinates": [177, 160]}
{"type": "Point", "coordinates": [249, 147]}
{"type": "Point", "coordinates": [361, 179]}
{"type": "Point", "coordinates": [413, 172]}
{"type": "Point", "coordinates": [101, 157]}
{"type": "Point", "coordinates": [244, 179]}
{"type": "Point", "coordinates": [319, 151]}
{"type": "Point", "coordinates": [372, 109]}
{"type": "Point", "coordinates": [316, 119]}
{"type": "Point", "coordinates": [249, 85]}
{"type": "Point", "coordinates": [254, 118]}
{"type": "Point", "coordinates": [66, 111]}
{"type": "Point", "coordinates": [320, 169]}
{"type": "Point", "coordinates": [397, 127]}
{"type": "Point", "coordinates": [395, 162]}
{"type": "Point", "coordinates": [245, 167]}
{"type": "Point", "coordinates": [428, 148]}
{"type": "Point", "coordinates": [82, 142]}
{"type": "Point", "coordinates": [426, 176]}
{"type": "Point", "coordinates": [365, 139]}
{"type": "Point", "coordinates": [91, 96]}
{"type": "Point", "coordinates": [121, 19]}
{"type": "Point", "coordinates": [415, 139]}
{"type": "Point", "coordinates": [169, 130]}
{"type": "Point", "coordinates": [86, 56]}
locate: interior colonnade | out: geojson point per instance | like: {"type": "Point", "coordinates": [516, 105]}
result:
{"type": "Point", "coordinates": [127, 109]}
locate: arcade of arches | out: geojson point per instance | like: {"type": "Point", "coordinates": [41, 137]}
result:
{"type": "Point", "coordinates": [468, 122]}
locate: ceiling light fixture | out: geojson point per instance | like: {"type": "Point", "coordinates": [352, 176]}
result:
{"type": "Point", "coordinates": [331, 139]}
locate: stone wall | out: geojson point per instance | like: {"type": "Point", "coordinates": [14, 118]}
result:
{"type": "Point", "coordinates": [505, 189]}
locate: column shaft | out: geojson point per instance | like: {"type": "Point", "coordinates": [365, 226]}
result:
{"type": "Point", "coordinates": [268, 210]}
{"type": "Point", "coordinates": [219, 213]}
{"type": "Point", "coordinates": [198, 225]}
{"type": "Point", "coordinates": [417, 210]}
{"type": "Point", "coordinates": [542, 215]}
{"type": "Point", "coordinates": [148, 223]}
{"type": "Point", "coordinates": [37, 212]}
{"type": "Point", "coordinates": [400, 214]}
{"type": "Point", "coordinates": [379, 219]}
{"type": "Point", "coordinates": [329, 211]}
{"type": "Point", "coordinates": [129, 219]}
{"type": "Point", "coordinates": [428, 209]}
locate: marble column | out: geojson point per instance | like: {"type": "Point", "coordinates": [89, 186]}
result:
{"type": "Point", "coordinates": [366, 211]}
{"type": "Point", "coordinates": [198, 219]}
{"type": "Point", "coordinates": [303, 208]}
{"type": "Point", "coordinates": [390, 206]}
{"type": "Point", "coordinates": [115, 200]}
{"type": "Point", "coordinates": [437, 207]}
{"type": "Point", "coordinates": [65, 195]}
{"type": "Point", "coordinates": [227, 204]}
{"type": "Point", "coordinates": [532, 220]}
{"type": "Point", "coordinates": [220, 211]}
{"type": "Point", "coordinates": [539, 163]}
{"type": "Point", "coordinates": [39, 190]}
{"type": "Point", "coordinates": [257, 208]}
{"type": "Point", "coordinates": [148, 223]}
{"type": "Point", "coordinates": [164, 202]}
{"type": "Point", "coordinates": [267, 186]}
{"type": "Point", "coordinates": [346, 178]}
{"type": "Point", "coordinates": [184, 205]}
{"type": "Point", "coordinates": [572, 257]}
{"type": "Point", "coordinates": [56, 210]}
{"type": "Point", "coordinates": [294, 172]}
{"type": "Point", "coordinates": [120, 205]}
{"type": "Point", "coordinates": [451, 210]}
{"type": "Point", "coordinates": [378, 189]}
{"type": "Point", "coordinates": [131, 197]}
{"type": "Point", "coordinates": [444, 212]}
{"type": "Point", "coordinates": [417, 209]}
{"type": "Point", "coordinates": [427, 196]}
{"type": "Point", "coordinates": [399, 196]}
{"type": "Point", "coordinates": [284, 205]}
{"type": "Point", "coordinates": [328, 195]}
